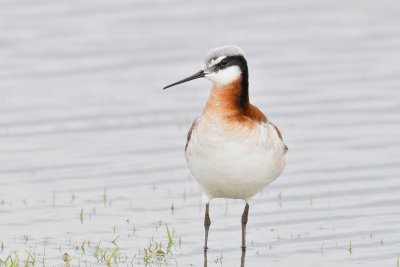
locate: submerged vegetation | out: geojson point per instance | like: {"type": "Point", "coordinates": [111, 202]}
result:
{"type": "Point", "coordinates": [83, 253]}
{"type": "Point", "coordinates": [154, 253]}
{"type": "Point", "coordinates": [160, 246]}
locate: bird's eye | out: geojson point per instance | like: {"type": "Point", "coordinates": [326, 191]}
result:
{"type": "Point", "coordinates": [223, 62]}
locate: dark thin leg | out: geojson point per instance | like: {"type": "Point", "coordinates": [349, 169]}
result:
{"type": "Point", "coordinates": [244, 222]}
{"type": "Point", "coordinates": [242, 258]}
{"type": "Point", "coordinates": [207, 223]}
{"type": "Point", "coordinates": [205, 258]}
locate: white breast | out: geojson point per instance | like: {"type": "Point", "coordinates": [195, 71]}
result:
{"type": "Point", "coordinates": [234, 162]}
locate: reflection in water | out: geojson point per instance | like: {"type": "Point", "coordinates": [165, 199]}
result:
{"type": "Point", "coordinates": [241, 259]}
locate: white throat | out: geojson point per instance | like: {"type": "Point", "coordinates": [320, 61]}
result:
{"type": "Point", "coordinates": [224, 76]}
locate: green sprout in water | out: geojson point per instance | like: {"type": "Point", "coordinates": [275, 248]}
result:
{"type": "Point", "coordinates": [113, 255]}
{"type": "Point", "coordinates": [72, 195]}
{"type": "Point", "coordinates": [97, 250]}
{"type": "Point", "coordinates": [103, 254]}
{"type": "Point", "coordinates": [13, 262]}
{"type": "Point", "coordinates": [154, 253]}
{"type": "Point", "coordinates": [83, 246]}
{"type": "Point", "coordinates": [350, 248]}
{"type": "Point", "coordinates": [115, 240]}
{"type": "Point", "coordinates": [147, 257]}
{"type": "Point", "coordinates": [31, 257]}
{"type": "Point", "coordinates": [170, 241]}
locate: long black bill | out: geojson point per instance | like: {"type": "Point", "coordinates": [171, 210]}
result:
{"type": "Point", "coordinates": [197, 75]}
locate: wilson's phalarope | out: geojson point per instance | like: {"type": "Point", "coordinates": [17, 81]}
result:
{"type": "Point", "coordinates": [232, 149]}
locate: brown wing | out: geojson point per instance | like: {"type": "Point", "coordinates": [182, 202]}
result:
{"type": "Point", "coordinates": [189, 135]}
{"type": "Point", "coordinates": [255, 114]}
{"type": "Point", "coordinates": [277, 130]}
{"type": "Point", "coordinates": [285, 148]}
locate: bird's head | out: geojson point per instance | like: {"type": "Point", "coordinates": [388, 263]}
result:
{"type": "Point", "coordinates": [223, 65]}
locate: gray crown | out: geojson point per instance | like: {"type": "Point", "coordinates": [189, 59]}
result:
{"type": "Point", "coordinates": [227, 50]}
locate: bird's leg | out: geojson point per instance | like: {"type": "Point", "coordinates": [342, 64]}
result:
{"type": "Point", "coordinates": [244, 222]}
{"type": "Point", "coordinates": [207, 223]}
{"type": "Point", "coordinates": [242, 258]}
{"type": "Point", "coordinates": [205, 258]}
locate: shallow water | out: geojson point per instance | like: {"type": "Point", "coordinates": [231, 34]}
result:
{"type": "Point", "coordinates": [91, 148]}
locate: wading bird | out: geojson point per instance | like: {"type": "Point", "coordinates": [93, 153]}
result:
{"type": "Point", "coordinates": [232, 149]}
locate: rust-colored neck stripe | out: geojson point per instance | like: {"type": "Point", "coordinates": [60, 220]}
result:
{"type": "Point", "coordinates": [224, 102]}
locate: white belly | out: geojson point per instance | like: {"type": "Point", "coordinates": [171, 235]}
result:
{"type": "Point", "coordinates": [235, 163]}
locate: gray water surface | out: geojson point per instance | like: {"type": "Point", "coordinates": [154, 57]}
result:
{"type": "Point", "coordinates": [91, 148]}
